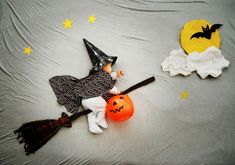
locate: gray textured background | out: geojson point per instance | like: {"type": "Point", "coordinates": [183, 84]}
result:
{"type": "Point", "coordinates": [164, 129]}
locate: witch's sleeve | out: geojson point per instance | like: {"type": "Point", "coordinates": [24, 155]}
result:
{"type": "Point", "coordinates": [114, 90]}
{"type": "Point", "coordinates": [114, 75]}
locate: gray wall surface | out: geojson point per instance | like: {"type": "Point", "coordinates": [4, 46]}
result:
{"type": "Point", "coordinates": [164, 128]}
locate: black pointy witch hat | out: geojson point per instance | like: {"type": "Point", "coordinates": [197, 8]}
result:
{"type": "Point", "coordinates": [98, 58]}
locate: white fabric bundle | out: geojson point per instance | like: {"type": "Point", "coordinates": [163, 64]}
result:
{"type": "Point", "coordinates": [210, 62]}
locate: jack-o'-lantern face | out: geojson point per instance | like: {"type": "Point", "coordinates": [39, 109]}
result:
{"type": "Point", "coordinates": [119, 107]}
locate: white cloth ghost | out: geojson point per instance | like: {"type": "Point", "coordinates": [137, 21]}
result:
{"type": "Point", "coordinates": [96, 118]}
{"type": "Point", "coordinates": [210, 62]}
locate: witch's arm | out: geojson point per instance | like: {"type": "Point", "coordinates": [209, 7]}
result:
{"type": "Point", "coordinates": [117, 74]}
{"type": "Point", "coordinates": [114, 75]}
{"type": "Point", "coordinates": [114, 91]}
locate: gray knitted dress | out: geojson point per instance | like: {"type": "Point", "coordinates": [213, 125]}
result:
{"type": "Point", "coordinates": [69, 90]}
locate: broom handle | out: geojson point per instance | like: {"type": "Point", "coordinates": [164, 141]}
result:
{"type": "Point", "coordinates": [138, 85]}
{"type": "Point", "coordinates": [77, 115]}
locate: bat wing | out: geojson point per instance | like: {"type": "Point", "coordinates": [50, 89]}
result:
{"type": "Point", "coordinates": [197, 35]}
{"type": "Point", "coordinates": [214, 27]}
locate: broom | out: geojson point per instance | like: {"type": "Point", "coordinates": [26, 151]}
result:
{"type": "Point", "coordinates": [37, 133]}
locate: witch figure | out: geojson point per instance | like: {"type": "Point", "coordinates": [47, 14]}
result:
{"type": "Point", "coordinates": [92, 91]}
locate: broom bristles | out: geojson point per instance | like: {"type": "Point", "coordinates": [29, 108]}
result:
{"type": "Point", "coordinates": [35, 134]}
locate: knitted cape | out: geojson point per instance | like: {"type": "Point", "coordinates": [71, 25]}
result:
{"type": "Point", "coordinates": [69, 90]}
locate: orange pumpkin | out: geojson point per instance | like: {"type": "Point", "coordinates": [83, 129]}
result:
{"type": "Point", "coordinates": [119, 107]}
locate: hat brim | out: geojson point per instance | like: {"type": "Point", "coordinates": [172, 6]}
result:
{"type": "Point", "coordinates": [114, 59]}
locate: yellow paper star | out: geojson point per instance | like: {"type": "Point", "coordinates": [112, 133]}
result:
{"type": "Point", "coordinates": [27, 50]}
{"type": "Point", "coordinates": [91, 19]}
{"type": "Point", "coordinates": [184, 94]}
{"type": "Point", "coordinates": [67, 23]}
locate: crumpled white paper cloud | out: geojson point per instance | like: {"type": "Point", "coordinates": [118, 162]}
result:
{"type": "Point", "coordinates": [210, 62]}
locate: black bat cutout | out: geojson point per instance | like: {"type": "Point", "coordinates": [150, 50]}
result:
{"type": "Point", "coordinates": [206, 32]}
{"type": "Point", "coordinates": [117, 110]}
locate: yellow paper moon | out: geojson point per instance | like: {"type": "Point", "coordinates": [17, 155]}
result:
{"type": "Point", "coordinates": [197, 44]}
